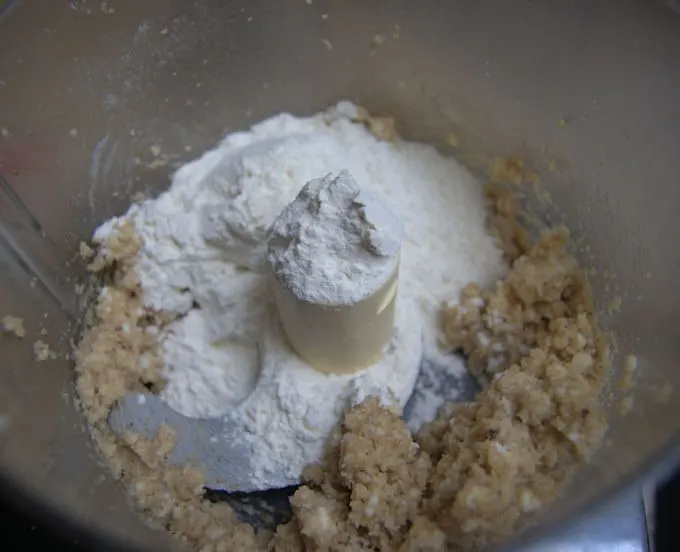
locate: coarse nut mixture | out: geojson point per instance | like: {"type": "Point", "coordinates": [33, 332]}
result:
{"type": "Point", "coordinates": [470, 478]}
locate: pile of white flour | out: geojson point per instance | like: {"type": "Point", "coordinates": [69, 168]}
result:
{"type": "Point", "coordinates": [334, 244]}
{"type": "Point", "coordinates": [203, 261]}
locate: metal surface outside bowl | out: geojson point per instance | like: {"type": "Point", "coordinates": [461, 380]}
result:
{"type": "Point", "coordinates": [115, 94]}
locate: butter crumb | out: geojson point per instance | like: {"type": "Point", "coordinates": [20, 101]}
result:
{"type": "Point", "coordinates": [41, 351]}
{"type": "Point", "coordinates": [14, 325]}
{"type": "Point", "coordinates": [383, 128]}
{"type": "Point", "coordinates": [85, 251]}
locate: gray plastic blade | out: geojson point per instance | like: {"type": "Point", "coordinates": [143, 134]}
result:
{"type": "Point", "coordinates": [211, 445]}
{"type": "Point", "coordinates": [215, 447]}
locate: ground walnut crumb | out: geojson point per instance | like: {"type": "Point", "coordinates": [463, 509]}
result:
{"type": "Point", "coordinates": [512, 170]}
{"type": "Point", "coordinates": [469, 479]}
{"type": "Point", "coordinates": [13, 325]}
{"type": "Point", "coordinates": [383, 128]}
{"type": "Point", "coordinates": [85, 251]}
{"type": "Point", "coordinates": [371, 489]}
{"type": "Point", "coordinates": [424, 536]}
{"type": "Point", "coordinates": [544, 303]}
{"type": "Point", "coordinates": [534, 342]}
{"type": "Point", "coordinates": [503, 223]}
{"type": "Point", "coordinates": [119, 354]}
{"type": "Point", "coordinates": [287, 538]}
{"type": "Point", "coordinates": [41, 351]}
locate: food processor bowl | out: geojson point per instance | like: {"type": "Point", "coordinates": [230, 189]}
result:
{"type": "Point", "coordinates": [102, 100]}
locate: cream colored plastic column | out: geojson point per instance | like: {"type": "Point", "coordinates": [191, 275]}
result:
{"type": "Point", "coordinates": [339, 339]}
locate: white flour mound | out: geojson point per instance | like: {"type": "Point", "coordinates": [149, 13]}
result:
{"type": "Point", "coordinates": [203, 259]}
{"type": "Point", "coordinates": [334, 244]}
{"type": "Point", "coordinates": [287, 421]}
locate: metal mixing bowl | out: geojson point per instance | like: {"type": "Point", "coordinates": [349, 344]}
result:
{"type": "Point", "coordinates": [587, 92]}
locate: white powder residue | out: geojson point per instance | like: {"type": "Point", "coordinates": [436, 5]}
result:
{"type": "Point", "coordinates": [294, 409]}
{"type": "Point", "coordinates": [203, 259]}
{"type": "Point", "coordinates": [334, 245]}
